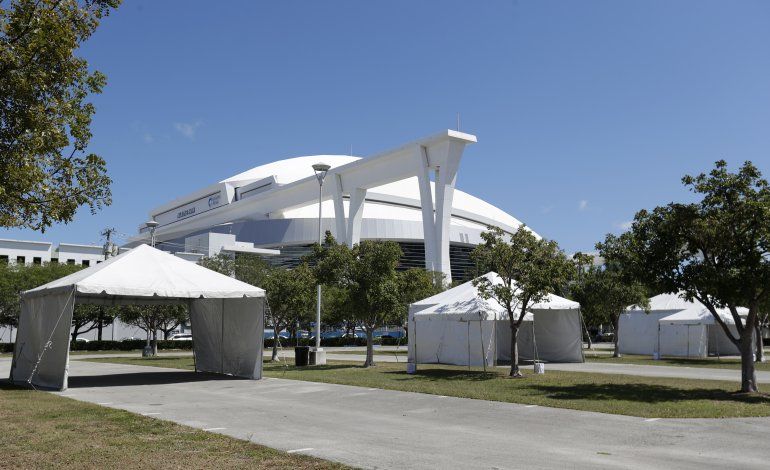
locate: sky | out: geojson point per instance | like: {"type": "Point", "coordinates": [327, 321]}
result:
{"type": "Point", "coordinates": [585, 112]}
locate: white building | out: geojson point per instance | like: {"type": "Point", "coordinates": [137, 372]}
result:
{"type": "Point", "coordinates": [406, 195]}
{"type": "Point", "coordinates": [32, 252]}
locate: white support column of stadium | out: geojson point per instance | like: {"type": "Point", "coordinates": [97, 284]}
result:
{"type": "Point", "coordinates": [448, 162]}
{"type": "Point", "coordinates": [426, 202]}
{"type": "Point", "coordinates": [339, 209]}
{"type": "Point", "coordinates": [355, 214]}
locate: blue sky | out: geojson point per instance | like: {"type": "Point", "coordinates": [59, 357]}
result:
{"type": "Point", "coordinates": [585, 111]}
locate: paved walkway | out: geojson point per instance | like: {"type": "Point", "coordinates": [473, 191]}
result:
{"type": "Point", "coordinates": [374, 428]}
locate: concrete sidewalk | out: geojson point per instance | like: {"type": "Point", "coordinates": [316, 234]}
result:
{"type": "Point", "coordinates": [374, 428]}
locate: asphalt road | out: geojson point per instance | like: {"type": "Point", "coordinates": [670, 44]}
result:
{"type": "Point", "coordinates": [374, 428]}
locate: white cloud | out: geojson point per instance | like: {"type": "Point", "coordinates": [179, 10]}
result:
{"type": "Point", "coordinates": [187, 129]}
{"type": "Point", "coordinates": [148, 138]}
{"type": "Point", "coordinates": [582, 205]}
{"type": "Point", "coordinates": [626, 225]}
{"type": "Point", "coordinates": [546, 209]}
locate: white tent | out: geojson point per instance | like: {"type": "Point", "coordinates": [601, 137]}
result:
{"type": "Point", "coordinates": [674, 327]}
{"type": "Point", "coordinates": [459, 327]}
{"type": "Point", "coordinates": [226, 315]}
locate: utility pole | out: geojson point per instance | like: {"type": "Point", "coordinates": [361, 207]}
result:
{"type": "Point", "coordinates": [108, 251]}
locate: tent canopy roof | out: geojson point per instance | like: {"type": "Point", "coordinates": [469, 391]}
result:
{"type": "Point", "coordinates": [148, 272]}
{"type": "Point", "coordinates": [684, 311]}
{"type": "Point", "coordinates": [465, 298]}
{"type": "Point", "coordinates": [699, 315]}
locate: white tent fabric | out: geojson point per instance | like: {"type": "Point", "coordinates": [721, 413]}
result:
{"type": "Point", "coordinates": [674, 327]}
{"type": "Point", "coordinates": [227, 315]}
{"type": "Point", "coordinates": [460, 327]}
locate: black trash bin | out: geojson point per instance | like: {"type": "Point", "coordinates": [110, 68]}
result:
{"type": "Point", "coordinates": [301, 356]}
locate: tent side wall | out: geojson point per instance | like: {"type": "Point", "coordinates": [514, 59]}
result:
{"type": "Point", "coordinates": [524, 341]}
{"type": "Point", "coordinates": [683, 339]}
{"type": "Point", "coordinates": [44, 319]}
{"type": "Point", "coordinates": [638, 331]}
{"type": "Point", "coordinates": [552, 336]}
{"type": "Point", "coordinates": [558, 335]}
{"type": "Point", "coordinates": [720, 344]}
{"type": "Point", "coordinates": [452, 339]}
{"type": "Point", "coordinates": [228, 335]}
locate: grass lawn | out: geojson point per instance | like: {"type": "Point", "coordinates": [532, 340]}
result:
{"type": "Point", "coordinates": [711, 362]}
{"type": "Point", "coordinates": [618, 394]}
{"type": "Point", "coordinates": [41, 430]}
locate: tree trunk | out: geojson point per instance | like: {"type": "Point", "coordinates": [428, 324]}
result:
{"type": "Point", "coordinates": [274, 356]}
{"type": "Point", "coordinates": [100, 324]}
{"type": "Point", "coordinates": [760, 346]}
{"type": "Point", "coordinates": [515, 372]}
{"type": "Point", "coordinates": [588, 338]}
{"type": "Point", "coordinates": [615, 335]}
{"type": "Point", "coordinates": [748, 377]}
{"type": "Point", "coordinates": [369, 347]}
{"type": "Point", "coordinates": [154, 342]}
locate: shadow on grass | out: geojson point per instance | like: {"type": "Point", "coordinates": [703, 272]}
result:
{"type": "Point", "coordinates": [446, 374]}
{"type": "Point", "coordinates": [643, 393]}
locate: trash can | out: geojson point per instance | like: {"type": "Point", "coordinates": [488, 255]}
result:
{"type": "Point", "coordinates": [301, 356]}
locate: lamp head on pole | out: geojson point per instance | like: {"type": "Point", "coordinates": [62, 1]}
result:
{"type": "Point", "coordinates": [151, 224]}
{"type": "Point", "coordinates": [320, 171]}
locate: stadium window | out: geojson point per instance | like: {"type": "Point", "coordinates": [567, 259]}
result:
{"type": "Point", "coordinates": [4, 259]}
{"type": "Point", "coordinates": [86, 263]}
{"type": "Point", "coordinates": [37, 260]}
{"type": "Point", "coordinates": [54, 260]}
{"type": "Point", "coordinates": [70, 261]}
{"type": "Point", "coordinates": [20, 260]}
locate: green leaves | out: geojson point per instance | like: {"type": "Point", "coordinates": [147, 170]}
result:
{"type": "Point", "coordinates": [45, 173]}
{"type": "Point", "coordinates": [529, 267]}
{"type": "Point", "coordinates": [367, 273]}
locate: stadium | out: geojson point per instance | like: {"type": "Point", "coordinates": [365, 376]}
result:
{"type": "Point", "coordinates": [406, 195]}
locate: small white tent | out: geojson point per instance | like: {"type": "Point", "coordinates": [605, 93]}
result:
{"type": "Point", "coordinates": [459, 327]}
{"type": "Point", "coordinates": [673, 327]}
{"type": "Point", "coordinates": [226, 315]}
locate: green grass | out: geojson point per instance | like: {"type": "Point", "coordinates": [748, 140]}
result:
{"type": "Point", "coordinates": [42, 430]}
{"type": "Point", "coordinates": [710, 362]}
{"type": "Point", "coordinates": [649, 397]}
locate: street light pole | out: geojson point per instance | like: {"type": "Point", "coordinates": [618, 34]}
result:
{"type": "Point", "coordinates": [320, 170]}
{"type": "Point", "coordinates": [151, 225]}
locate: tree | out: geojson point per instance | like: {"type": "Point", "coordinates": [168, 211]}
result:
{"type": "Point", "coordinates": [221, 263]}
{"type": "Point", "coordinates": [416, 284]}
{"type": "Point", "coordinates": [367, 272]}
{"type": "Point", "coordinates": [17, 278]}
{"type": "Point", "coordinates": [603, 292]}
{"type": "Point", "coordinates": [151, 318]}
{"type": "Point", "coordinates": [715, 250]}
{"type": "Point", "coordinates": [89, 317]}
{"type": "Point", "coordinates": [529, 268]}
{"type": "Point", "coordinates": [290, 297]}
{"type": "Point", "coordinates": [45, 118]}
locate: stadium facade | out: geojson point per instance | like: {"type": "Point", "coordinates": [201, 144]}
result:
{"type": "Point", "coordinates": [406, 195]}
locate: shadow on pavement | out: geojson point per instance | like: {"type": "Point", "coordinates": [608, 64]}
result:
{"type": "Point", "coordinates": [145, 378]}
